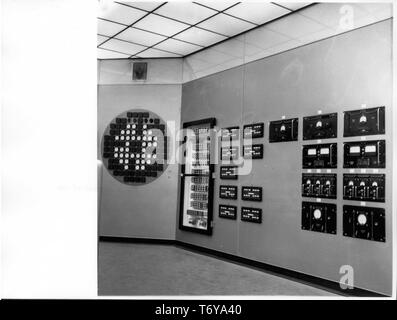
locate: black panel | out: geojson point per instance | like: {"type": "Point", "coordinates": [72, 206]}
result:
{"type": "Point", "coordinates": [364, 187]}
{"type": "Point", "coordinates": [231, 133]}
{"type": "Point", "coordinates": [228, 212]}
{"type": "Point", "coordinates": [323, 126]}
{"type": "Point", "coordinates": [364, 154]}
{"type": "Point", "coordinates": [251, 214]}
{"type": "Point", "coordinates": [319, 185]}
{"type": "Point", "coordinates": [253, 131]}
{"type": "Point", "coordinates": [254, 151]}
{"type": "Point", "coordinates": [228, 192]}
{"type": "Point", "coordinates": [229, 153]}
{"type": "Point", "coordinates": [319, 217]}
{"type": "Point", "coordinates": [364, 223]}
{"type": "Point", "coordinates": [251, 193]}
{"type": "Point", "coordinates": [364, 122]}
{"type": "Point", "coordinates": [283, 130]}
{"type": "Point", "coordinates": [228, 172]}
{"type": "Point", "coordinates": [319, 156]}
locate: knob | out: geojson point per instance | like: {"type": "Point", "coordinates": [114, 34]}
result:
{"type": "Point", "coordinates": [317, 214]}
{"type": "Point", "coordinates": [363, 119]}
{"type": "Point", "coordinates": [362, 219]}
{"type": "Point", "coordinates": [282, 128]}
{"type": "Point", "coordinates": [319, 124]}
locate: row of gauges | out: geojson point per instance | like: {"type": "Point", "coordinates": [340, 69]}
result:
{"type": "Point", "coordinates": [362, 122]}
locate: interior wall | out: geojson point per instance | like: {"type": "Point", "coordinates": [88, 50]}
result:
{"type": "Point", "coordinates": [333, 75]}
{"type": "Point", "coordinates": [144, 211]}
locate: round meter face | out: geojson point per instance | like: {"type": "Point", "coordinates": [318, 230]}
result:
{"type": "Point", "coordinates": [128, 151]}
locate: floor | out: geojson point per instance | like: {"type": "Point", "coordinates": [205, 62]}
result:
{"type": "Point", "coordinates": [151, 269]}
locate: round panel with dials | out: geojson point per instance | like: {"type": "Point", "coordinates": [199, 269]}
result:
{"type": "Point", "coordinates": [134, 147]}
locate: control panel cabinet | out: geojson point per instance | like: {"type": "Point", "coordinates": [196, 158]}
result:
{"type": "Point", "coordinates": [364, 187]}
{"type": "Point", "coordinates": [319, 185]}
{"type": "Point", "coordinates": [364, 223]}
{"type": "Point", "coordinates": [253, 131]}
{"type": "Point", "coordinates": [364, 154]}
{"type": "Point", "coordinates": [364, 122]}
{"type": "Point", "coordinates": [227, 212]}
{"type": "Point", "coordinates": [197, 182]}
{"type": "Point", "coordinates": [228, 192]}
{"type": "Point", "coordinates": [319, 156]}
{"type": "Point", "coordinates": [320, 217]}
{"type": "Point", "coordinates": [283, 130]}
{"type": "Point", "coordinates": [323, 126]}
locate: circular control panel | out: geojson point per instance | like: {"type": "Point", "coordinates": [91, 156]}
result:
{"type": "Point", "coordinates": [134, 147]}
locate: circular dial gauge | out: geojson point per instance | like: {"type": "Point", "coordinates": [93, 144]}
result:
{"type": "Point", "coordinates": [125, 138]}
{"type": "Point", "coordinates": [317, 214]}
{"type": "Point", "coordinates": [362, 219]}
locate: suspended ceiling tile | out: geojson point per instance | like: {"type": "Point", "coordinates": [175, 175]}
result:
{"type": "Point", "coordinates": [122, 46]}
{"type": "Point", "coordinates": [258, 13]}
{"type": "Point", "coordinates": [294, 5]}
{"type": "Point", "coordinates": [106, 54]}
{"type": "Point", "coordinates": [217, 5]}
{"type": "Point", "coordinates": [140, 37]}
{"type": "Point", "coordinates": [107, 28]}
{"type": "Point", "coordinates": [101, 39]}
{"type": "Point", "coordinates": [185, 11]}
{"type": "Point", "coordinates": [120, 13]}
{"type": "Point", "coordinates": [295, 26]}
{"type": "Point", "coordinates": [200, 36]}
{"type": "Point", "coordinates": [144, 5]}
{"type": "Point", "coordinates": [264, 38]}
{"type": "Point", "coordinates": [161, 25]}
{"type": "Point", "coordinates": [153, 53]}
{"type": "Point", "coordinates": [179, 47]}
{"type": "Point", "coordinates": [226, 25]}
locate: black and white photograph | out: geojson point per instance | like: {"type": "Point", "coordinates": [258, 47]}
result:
{"type": "Point", "coordinates": [206, 150]}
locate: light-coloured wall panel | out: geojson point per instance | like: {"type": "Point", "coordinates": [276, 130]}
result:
{"type": "Point", "coordinates": [332, 75]}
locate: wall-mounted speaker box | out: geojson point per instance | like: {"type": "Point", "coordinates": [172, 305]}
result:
{"type": "Point", "coordinates": [139, 71]}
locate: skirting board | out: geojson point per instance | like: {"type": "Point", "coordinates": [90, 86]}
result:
{"type": "Point", "coordinates": [314, 281]}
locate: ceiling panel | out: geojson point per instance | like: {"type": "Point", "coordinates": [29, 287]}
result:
{"type": "Point", "coordinates": [217, 5]}
{"type": "Point", "coordinates": [107, 28]}
{"type": "Point", "coordinates": [185, 11]}
{"type": "Point", "coordinates": [153, 53]}
{"type": "Point", "coordinates": [101, 39]}
{"type": "Point", "coordinates": [140, 37]}
{"type": "Point", "coordinates": [120, 13]}
{"type": "Point", "coordinates": [122, 46]}
{"type": "Point", "coordinates": [257, 12]}
{"type": "Point", "coordinates": [294, 5]}
{"type": "Point", "coordinates": [200, 36]}
{"type": "Point", "coordinates": [226, 25]}
{"type": "Point", "coordinates": [176, 46]}
{"type": "Point", "coordinates": [106, 54]}
{"type": "Point", "coordinates": [144, 5]}
{"type": "Point", "coordinates": [160, 25]}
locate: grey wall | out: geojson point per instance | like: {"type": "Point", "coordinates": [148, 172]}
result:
{"type": "Point", "coordinates": [146, 211]}
{"type": "Point", "coordinates": [332, 75]}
